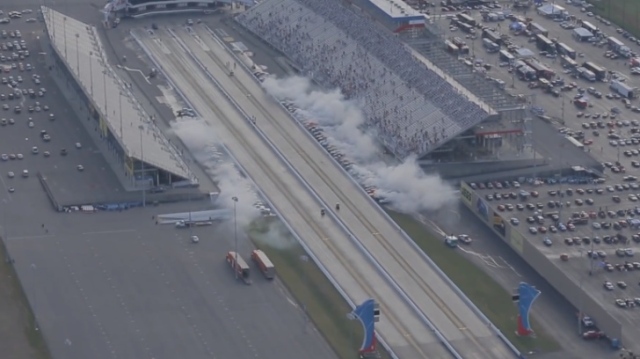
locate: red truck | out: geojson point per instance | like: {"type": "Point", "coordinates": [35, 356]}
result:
{"type": "Point", "coordinates": [266, 267]}
{"type": "Point", "coordinates": [239, 266]}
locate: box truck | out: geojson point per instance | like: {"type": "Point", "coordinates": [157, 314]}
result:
{"type": "Point", "coordinates": [262, 261]}
{"type": "Point", "coordinates": [239, 266]}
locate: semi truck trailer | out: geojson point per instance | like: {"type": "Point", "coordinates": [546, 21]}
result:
{"type": "Point", "coordinates": [262, 261]}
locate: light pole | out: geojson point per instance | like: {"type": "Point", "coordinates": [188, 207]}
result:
{"type": "Point", "coordinates": [4, 220]}
{"type": "Point", "coordinates": [144, 194]}
{"type": "Point", "coordinates": [91, 70]}
{"type": "Point", "coordinates": [35, 298]}
{"type": "Point", "coordinates": [120, 112]}
{"type": "Point", "coordinates": [235, 232]}
{"type": "Point", "coordinates": [190, 221]}
{"type": "Point", "coordinates": [104, 89]}
{"type": "Point", "coordinates": [78, 55]}
{"type": "Point", "coordinates": [64, 34]}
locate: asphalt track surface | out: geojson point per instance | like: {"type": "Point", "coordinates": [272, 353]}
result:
{"type": "Point", "coordinates": [431, 295]}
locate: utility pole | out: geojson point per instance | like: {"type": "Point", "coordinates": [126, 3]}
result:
{"type": "Point", "coordinates": [120, 112]}
{"type": "Point", "coordinates": [91, 70]}
{"type": "Point", "coordinates": [235, 232]}
{"type": "Point", "coordinates": [563, 110]}
{"type": "Point", "coordinates": [78, 56]}
{"type": "Point", "coordinates": [190, 221]}
{"type": "Point", "coordinates": [144, 185]}
{"type": "Point", "coordinates": [35, 298]}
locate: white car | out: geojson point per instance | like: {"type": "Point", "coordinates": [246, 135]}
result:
{"type": "Point", "coordinates": [35, 150]}
{"type": "Point", "coordinates": [596, 225]}
{"type": "Point", "coordinates": [11, 174]}
{"type": "Point", "coordinates": [31, 124]}
{"type": "Point", "coordinates": [533, 230]}
{"type": "Point", "coordinates": [25, 173]}
{"type": "Point", "coordinates": [514, 221]}
{"type": "Point", "coordinates": [78, 145]}
{"type": "Point", "coordinates": [608, 285]}
{"type": "Point", "coordinates": [19, 156]}
{"type": "Point", "coordinates": [195, 239]}
{"type": "Point", "coordinates": [5, 157]}
{"type": "Point", "coordinates": [80, 168]}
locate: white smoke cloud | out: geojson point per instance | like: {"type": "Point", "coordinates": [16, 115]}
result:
{"type": "Point", "coordinates": [276, 236]}
{"type": "Point", "coordinates": [407, 188]}
{"type": "Point", "coordinates": [202, 142]}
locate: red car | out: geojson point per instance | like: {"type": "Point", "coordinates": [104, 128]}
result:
{"type": "Point", "coordinates": [592, 334]}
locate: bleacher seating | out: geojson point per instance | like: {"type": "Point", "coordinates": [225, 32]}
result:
{"type": "Point", "coordinates": [411, 108]}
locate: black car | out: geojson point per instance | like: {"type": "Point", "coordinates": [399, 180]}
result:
{"type": "Point", "coordinates": [63, 152]}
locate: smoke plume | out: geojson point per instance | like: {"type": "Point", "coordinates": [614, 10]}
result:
{"type": "Point", "coordinates": [405, 186]}
{"type": "Point", "coordinates": [202, 142]}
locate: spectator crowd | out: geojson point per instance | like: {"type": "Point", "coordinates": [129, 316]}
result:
{"type": "Point", "coordinates": [412, 109]}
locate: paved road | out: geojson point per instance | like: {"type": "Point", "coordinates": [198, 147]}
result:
{"type": "Point", "coordinates": [306, 159]}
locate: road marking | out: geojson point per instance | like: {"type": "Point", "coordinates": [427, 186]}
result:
{"type": "Point", "coordinates": [135, 70]}
{"type": "Point", "coordinates": [110, 232]}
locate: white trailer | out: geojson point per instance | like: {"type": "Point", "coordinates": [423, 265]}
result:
{"type": "Point", "coordinates": [623, 89]}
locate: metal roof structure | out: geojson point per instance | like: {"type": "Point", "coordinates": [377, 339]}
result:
{"type": "Point", "coordinates": [396, 8]}
{"type": "Point", "coordinates": [80, 47]}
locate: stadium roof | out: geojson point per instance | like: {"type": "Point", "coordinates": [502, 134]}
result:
{"type": "Point", "coordinates": [461, 89]}
{"type": "Point", "coordinates": [395, 8]}
{"type": "Point", "coordinates": [79, 45]}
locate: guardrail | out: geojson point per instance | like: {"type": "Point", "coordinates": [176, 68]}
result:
{"type": "Point", "coordinates": [306, 248]}
{"type": "Point", "coordinates": [328, 206]}
{"type": "Point", "coordinates": [455, 288]}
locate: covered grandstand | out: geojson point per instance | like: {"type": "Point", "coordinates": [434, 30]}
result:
{"type": "Point", "coordinates": [413, 106]}
{"type": "Point", "coordinates": [145, 158]}
{"type": "Point", "coordinates": [140, 8]}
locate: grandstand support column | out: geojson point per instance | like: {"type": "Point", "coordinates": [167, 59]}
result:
{"type": "Point", "coordinates": [91, 71]}
{"type": "Point", "coordinates": [78, 55]}
{"type": "Point", "coordinates": [144, 194]}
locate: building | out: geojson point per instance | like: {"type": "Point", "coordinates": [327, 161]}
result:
{"type": "Point", "coordinates": [394, 14]}
{"type": "Point", "coordinates": [582, 34]}
{"type": "Point", "coordinates": [552, 11]}
{"type": "Point", "coordinates": [138, 151]}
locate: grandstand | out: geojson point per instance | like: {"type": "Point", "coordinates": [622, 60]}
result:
{"type": "Point", "coordinates": [413, 106]}
{"type": "Point", "coordinates": [140, 8]}
{"type": "Point", "coordinates": [145, 157]}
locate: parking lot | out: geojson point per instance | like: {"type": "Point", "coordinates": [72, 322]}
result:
{"type": "Point", "coordinates": [559, 102]}
{"type": "Point", "coordinates": [39, 131]}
